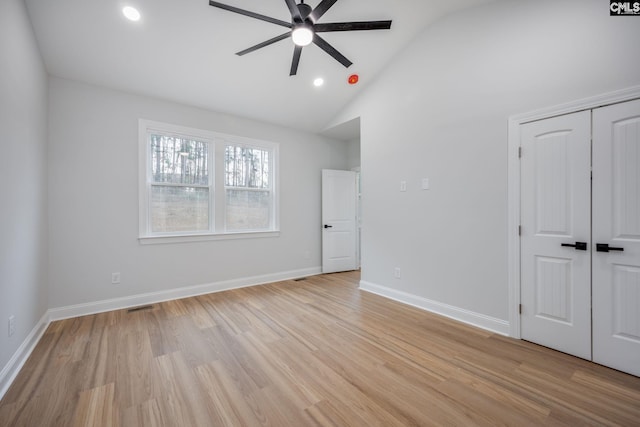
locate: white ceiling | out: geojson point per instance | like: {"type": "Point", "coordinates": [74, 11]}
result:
{"type": "Point", "coordinates": [184, 51]}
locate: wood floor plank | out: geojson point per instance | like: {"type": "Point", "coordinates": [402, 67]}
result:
{"type": "Point", "coordinates": [193, 342]}
{"type": "Point", "coordinates": [144, 414]}
{"type": "Point", "coordinates": [133, 370]}
{"type": "Point", "coordinates": [163, 333]}
{"type": "Point", "coordinates": [278, 367]}
{"type": "Point", "coordinates": [199, 314]}
{"type": "Point", "coordinates": [315, 352]}
{"type": "Point", "coordinates": [180, 401]}
{"type": "Point", "coordinates": [96, 407]}
{"type": "Point", "coordinates": [98, 364]}
{"type": "Point", "coordinates": [231, 405]}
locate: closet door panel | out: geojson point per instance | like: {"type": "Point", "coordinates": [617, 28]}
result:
{"type": "Point", "coordinates": [556, 228]}
{"type": "Point", "coordinates": [616, 236]}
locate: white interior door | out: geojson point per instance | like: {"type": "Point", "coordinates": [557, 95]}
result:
{"type": "Point", "coordinates": [338, 221]}
{"type": "Point", "coordinates": [555, 210]}
{"type": "Point", "coordinates": [616, 222]}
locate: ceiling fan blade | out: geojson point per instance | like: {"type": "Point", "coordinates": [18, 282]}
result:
{"type": "Point", "coordinates": [296, 60]}
{"type": "Point", "coordinates": [321, 9]}
{"type": "Point", "coordinates": [352, 26]}
{"type": "Point", "coordinates": [322, 44]}
{"type": "Point", "coordinates": [295, 12]}
{"type": "Point", "coordinates": [266, 43]}
{"type": "Point", "coordinates": [249, 14]}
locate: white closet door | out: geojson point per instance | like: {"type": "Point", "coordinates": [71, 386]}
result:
{"type": "Point", "coordinates": [616, 222]}
{"type": "Point", "coordinates": [555, 209]}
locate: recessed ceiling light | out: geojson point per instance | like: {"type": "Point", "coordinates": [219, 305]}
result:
{"type": "Point", "coordinates": [131, 13]}
{"type": "Point", "coordinates": [318, 82]}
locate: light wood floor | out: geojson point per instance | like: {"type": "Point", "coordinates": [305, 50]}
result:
{"type": "Point", "coordinates": [316, 352]}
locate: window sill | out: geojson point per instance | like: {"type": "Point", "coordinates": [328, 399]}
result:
{"type": "Point", "coordinates": [191, 238]}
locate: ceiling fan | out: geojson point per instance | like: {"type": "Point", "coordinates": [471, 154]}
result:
{"type": "Point", "coordinates": [304, 29]}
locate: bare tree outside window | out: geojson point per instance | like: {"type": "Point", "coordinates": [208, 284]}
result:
{"type": "Point", "coordinates": [247, 167]}
{"type": "Point", "coordinates": [248, 188]}
{"type": "Point", "coordinates": [179, 184]}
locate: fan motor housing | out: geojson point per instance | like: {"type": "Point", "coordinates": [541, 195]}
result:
{"type": "Point", "coordinates": [305, 10]}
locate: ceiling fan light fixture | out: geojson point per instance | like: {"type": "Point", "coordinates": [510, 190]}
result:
{"type": "Point", "coordinates": [303, 27]}
{"type": "Point", "coordinates": [302, 35]}
{"type": "Point", "coordinates": [131, 13]}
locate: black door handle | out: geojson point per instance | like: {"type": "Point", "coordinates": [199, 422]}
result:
{"type": "Point", "coordinates": [328, 226]}
{"type": "Point", "coordinates": [580, 246]}
{"type": "Point", "coordinates": [604, 247]}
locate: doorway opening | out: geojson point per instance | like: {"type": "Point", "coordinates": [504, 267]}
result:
{"type": "Point", "coordinates": [349, 134]}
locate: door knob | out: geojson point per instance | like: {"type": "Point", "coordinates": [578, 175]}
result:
{"type": "Point", "coordinates": [328, 226]}
{"type": "Point", "coordinates": [604, 247]}
{"type": "Point", "coordinates": [580, 246]}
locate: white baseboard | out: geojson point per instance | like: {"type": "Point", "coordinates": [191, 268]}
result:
{"type": "Point", "coordinates": [489, 323]}
{"type": "Point", "coordinates": [85, 309]}
{"type": "Point", "coordinates": [12, 368]}
{"type": "Point", "coordinates": [17, 361]}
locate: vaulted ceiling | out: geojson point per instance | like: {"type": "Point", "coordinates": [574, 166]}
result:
{"type": "Point", "coordinates": [184, 51]}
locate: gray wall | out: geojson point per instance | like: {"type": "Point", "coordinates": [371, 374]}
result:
{"type": "Point", "coordinates": [93, 195]}
{"type": "Point", "coordinates": [440, 111]}
{"type": "Point", "coordinates": [353, 153]}
{"type": "Point", "coordinates": [23, 185]}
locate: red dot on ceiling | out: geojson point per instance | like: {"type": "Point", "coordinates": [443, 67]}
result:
{"type": "Point", "coordinates": [353, 79]}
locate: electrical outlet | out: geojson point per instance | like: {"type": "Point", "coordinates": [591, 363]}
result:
{"type": "Point", "coordinates": [115, 278]}
{"type": "Point", "coordinates": [396, 272]}
{"type": "Point", "coordinates": [12, 325]}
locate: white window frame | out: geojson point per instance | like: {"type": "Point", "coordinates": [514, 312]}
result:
{"type": "Point", "coordinates": [217, 191]}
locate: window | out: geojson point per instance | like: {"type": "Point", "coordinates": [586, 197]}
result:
{"type": "Point", "coordinates": [196, 184]}
{"type": "Point", "coordinates": [247, 184]}
{"type": "Point", "coordinates": [180, 184]}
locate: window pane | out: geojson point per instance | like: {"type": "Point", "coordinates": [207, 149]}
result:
{"type": "Point", "coordinates": [247, 167]}
{"type": "Point", "coordinates": [248, 210]}
{"type": "Point", "coordinates": [179, 209]}
{"type": "Point", "coordinates": [179, 161]}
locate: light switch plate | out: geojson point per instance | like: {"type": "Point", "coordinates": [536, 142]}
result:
{"type": "Point", "coordinates": [425, 183]}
